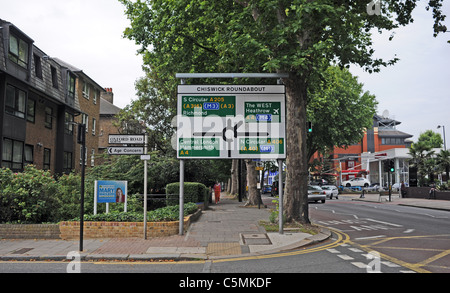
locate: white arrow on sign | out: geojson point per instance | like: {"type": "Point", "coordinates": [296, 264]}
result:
{"type": "Point", "coordinates": [125, 150]}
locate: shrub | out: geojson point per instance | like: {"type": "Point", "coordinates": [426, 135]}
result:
{"type": "Point", "coordinates": [193, 192]}
{"type": "Point", "coordinates": [170, 213]}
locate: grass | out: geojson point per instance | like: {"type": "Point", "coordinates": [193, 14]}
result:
{"type": "Point", "coordinates": [292, 227]}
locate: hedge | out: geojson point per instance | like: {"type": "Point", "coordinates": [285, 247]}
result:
{"type": "Point", "coordinates": [193, 192]}
{"type": "Point", "coordinates": [169, 213]}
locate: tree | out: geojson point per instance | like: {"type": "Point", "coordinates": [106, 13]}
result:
{"type": "Point", "coordinates": [443, 161]}
{"type": "Point", "coordinates": [431, 138]}
{"type": "Point", "coordinates": [339, 110]}
{"type": "Point", "coordinates": [298, 37]}
{"type": "Point", "coordinates": [422, 159]}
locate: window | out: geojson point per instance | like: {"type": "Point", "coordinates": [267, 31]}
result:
{"type": "Point", "coordinates": [93, 126]}
{"type": "Point", "coordinates": [86, 90]}
{"type": "Point", "coordinates": [68, 125]}
{"type": "Point", "coordinates": [15, 101]}
{"type": "Point", "coordinates": [96, 94]}
{"type": "Point", "coordinates": [54, 77]}
{"type": "Point", "coordinates": [47, 154]}
{"type": "Point", "coordinates": [28, 154]}
{"type": "Point", "coordinates": [81, 156]}
{"type": "Point", "coordinates": [18, 51]}
{"type": "Point", "coordinates": [67, 164]}
{"type": "Point", "coordinates": [12, 154]}
{"type": "Point", "coordinates": [37, 66]}
{"type": "Point", "coordinates": [31, 109]}
{"type": "Point", "coordinates": [71, 87]}
{"type": "Point", "coordinates": [92, 157]}
{"type": "Point", "coordinates": [48, 117]}
{"type": "Point", "coordinates": [85, 121]}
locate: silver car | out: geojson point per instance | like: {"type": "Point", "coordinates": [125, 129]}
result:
{"type": "Point", "coordinates": [331, 191]}
{"type": "Point", "coordinates": [315, 193]}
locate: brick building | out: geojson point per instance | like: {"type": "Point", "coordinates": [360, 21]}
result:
{"type": "Point", "coordinates": [364, 159]}
{"type": "Point", "coordinates": [42, 99]}
{"type": "Point", "coordinates": [38, 103]}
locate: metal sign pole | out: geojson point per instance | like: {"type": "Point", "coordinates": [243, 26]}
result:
{"type": "Point", "coordinates": [181, 226]}
{"type": "Point", "coordinates": [280, 195]}
{"type": "Point", "coordinates": [145, 187]}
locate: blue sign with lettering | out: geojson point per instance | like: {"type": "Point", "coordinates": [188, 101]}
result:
{"type": "Point", "coordinates": [211, 106]}
{"type": "Point", "coordinates": [111, 191]}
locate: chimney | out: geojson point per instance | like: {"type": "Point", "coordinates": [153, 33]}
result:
{"type": "Point", "coordinates": [108, 95]}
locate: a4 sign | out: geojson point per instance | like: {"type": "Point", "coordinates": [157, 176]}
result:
{"type": "Point", "coordinates": [231, 121]}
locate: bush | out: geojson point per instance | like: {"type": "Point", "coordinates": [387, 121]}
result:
{"type": "Point", "coordinates": [28, 197]}
{"type": "Point", "coordinates": [193, 192]}
{"type": "Point", "coordinates": [170, 213]}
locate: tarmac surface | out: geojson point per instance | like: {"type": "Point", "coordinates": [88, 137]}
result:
{"type": "Point", "coordinates": [226, 230]}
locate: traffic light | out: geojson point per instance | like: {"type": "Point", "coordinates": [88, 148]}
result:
{"type": "Point", "coordinates": [389, 166]}
{"type": "Point", "coordinates": [309, 126]}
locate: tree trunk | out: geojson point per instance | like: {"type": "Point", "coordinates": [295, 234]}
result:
{"type": "Point", "coordinates": [253, 196]}
{"type": "Point", "coordinates": [234, 177]}
{"type": "Point", "coordinates": [296, 198]}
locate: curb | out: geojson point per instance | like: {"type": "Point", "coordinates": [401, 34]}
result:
{"type": "Point", "coordinates": [323, 235]}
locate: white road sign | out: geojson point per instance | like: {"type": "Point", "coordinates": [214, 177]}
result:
{"type": "Point", "coordinates": [125, 150]}
{"type": "Point", "coordinates": [126, 138]}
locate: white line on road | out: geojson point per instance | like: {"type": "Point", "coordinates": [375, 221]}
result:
{"type": "Point", "coordinates": [345, 257]}
{"type": "Point", "coordinates": [409, 231]}
{"type": "Point", "coordinates": [385, 223]}
{"type": "Point", "coordinates": [370, 237]}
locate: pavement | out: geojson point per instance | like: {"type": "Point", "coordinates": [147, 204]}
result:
{"type": "Point", "coordinates": [226, 230]}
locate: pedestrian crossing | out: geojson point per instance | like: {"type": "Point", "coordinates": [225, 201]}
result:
{"type": "Point", "coordinates": [369, 262]}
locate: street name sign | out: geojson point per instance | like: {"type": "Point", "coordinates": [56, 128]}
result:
{"type": "Point", "coordinates": [231, 122]}
{"type": "Point", "coordinates": [126, 150]}
{"type": "Point", "coordinates": [126, 138]}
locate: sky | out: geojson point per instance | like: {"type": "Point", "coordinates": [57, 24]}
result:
{"type": "Point", "coordinates": [89, 35]}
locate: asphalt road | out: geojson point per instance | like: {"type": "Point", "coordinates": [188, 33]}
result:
{"type": "Point", "coordinates": [416, 238]}
{"type": "Point", "coordinates": [366, 238]}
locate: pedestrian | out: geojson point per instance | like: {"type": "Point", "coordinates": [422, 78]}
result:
{"type": "Point", "coordinates": [217, 189]}
{"type": "Point", "coordinates": [403, 189]}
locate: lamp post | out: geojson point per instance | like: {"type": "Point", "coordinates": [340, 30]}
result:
{"type": "Point", "coordinates": [81, 139]}
{"type": "Point", "coordinates": [443, 131]}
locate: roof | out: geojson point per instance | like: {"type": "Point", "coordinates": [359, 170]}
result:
{"type": "Point", "coordinates": [106, 108]}
{"type": "Point", "coordinates": [393, 133]}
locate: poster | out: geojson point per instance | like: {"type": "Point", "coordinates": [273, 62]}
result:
{"type": "Point", "coordinates": [111, 191]}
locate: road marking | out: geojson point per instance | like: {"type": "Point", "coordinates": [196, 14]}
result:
{"type": "Point", "coordinates": [390, 264]}
{"type": "Point", "coordinates": [385, 223]}
{"type": "Point", "coordinates": [355, 249]}
{"type": "Point", "coordinates": [409, 231]}
{"type": "Point", "coordinates": [370, 237]}
{"type": "Point", "coordinates": [345, 257]}
{"type": "Point", "coordinates": [332, 250]}
{"type": "Point", "coordinates": [359, 265]}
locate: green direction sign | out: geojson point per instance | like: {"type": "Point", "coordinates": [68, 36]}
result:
{"type": "Point", "coordinates": [221, 106]}
{"type": "Point", "coordinates": [262, 111]}
{"type": "Point", "coordinates": [261, 146]}
{"type": "Point", "coordinates": [199, 147]}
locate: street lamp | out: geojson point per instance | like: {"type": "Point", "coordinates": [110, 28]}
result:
{"type": "Point", "coordinates": [443, 130]}
{"type": "Point", "coordinates": [81, 139]}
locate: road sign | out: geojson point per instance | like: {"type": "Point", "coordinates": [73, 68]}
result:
{"type": "Point", "coordinates": [125, 150]}
{"type": "Point", "coordinates": [126, 138]}
{"type": "Point", "coordinates": [231, 122]}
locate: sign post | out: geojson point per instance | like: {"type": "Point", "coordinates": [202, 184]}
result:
{"type": "Point", "coordinates": [230, 122]}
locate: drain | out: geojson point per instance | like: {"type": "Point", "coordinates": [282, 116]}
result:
{"type": "Point", "coordinates": [255, 239]}
{"type": "Point", "coordinates": [21, 250]}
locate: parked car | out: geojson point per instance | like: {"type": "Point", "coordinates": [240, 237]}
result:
{"type": "Point", "coordinates": [374, 187]}
{"type": "Point", "coordinates": [330, 191]}
{"type": "Point", "coordinates": [267, 189]}
{"type": "Point", "coordinates": [319, 182]}
{"type": "Point", "coordinates": [358, 181]}
{"type": "Point", "coordinates": [315, 193]}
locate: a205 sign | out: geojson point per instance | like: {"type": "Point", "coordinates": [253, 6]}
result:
{"type": "Point", "coordinates": [231, 122]}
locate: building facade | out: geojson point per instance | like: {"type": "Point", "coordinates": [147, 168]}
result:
{"type": "Point", "coordinates": [38, 103]}
{"type": "Point", "coordinates": [42, 99]}
{"type": "Point", "coordinates": [366, 158]}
